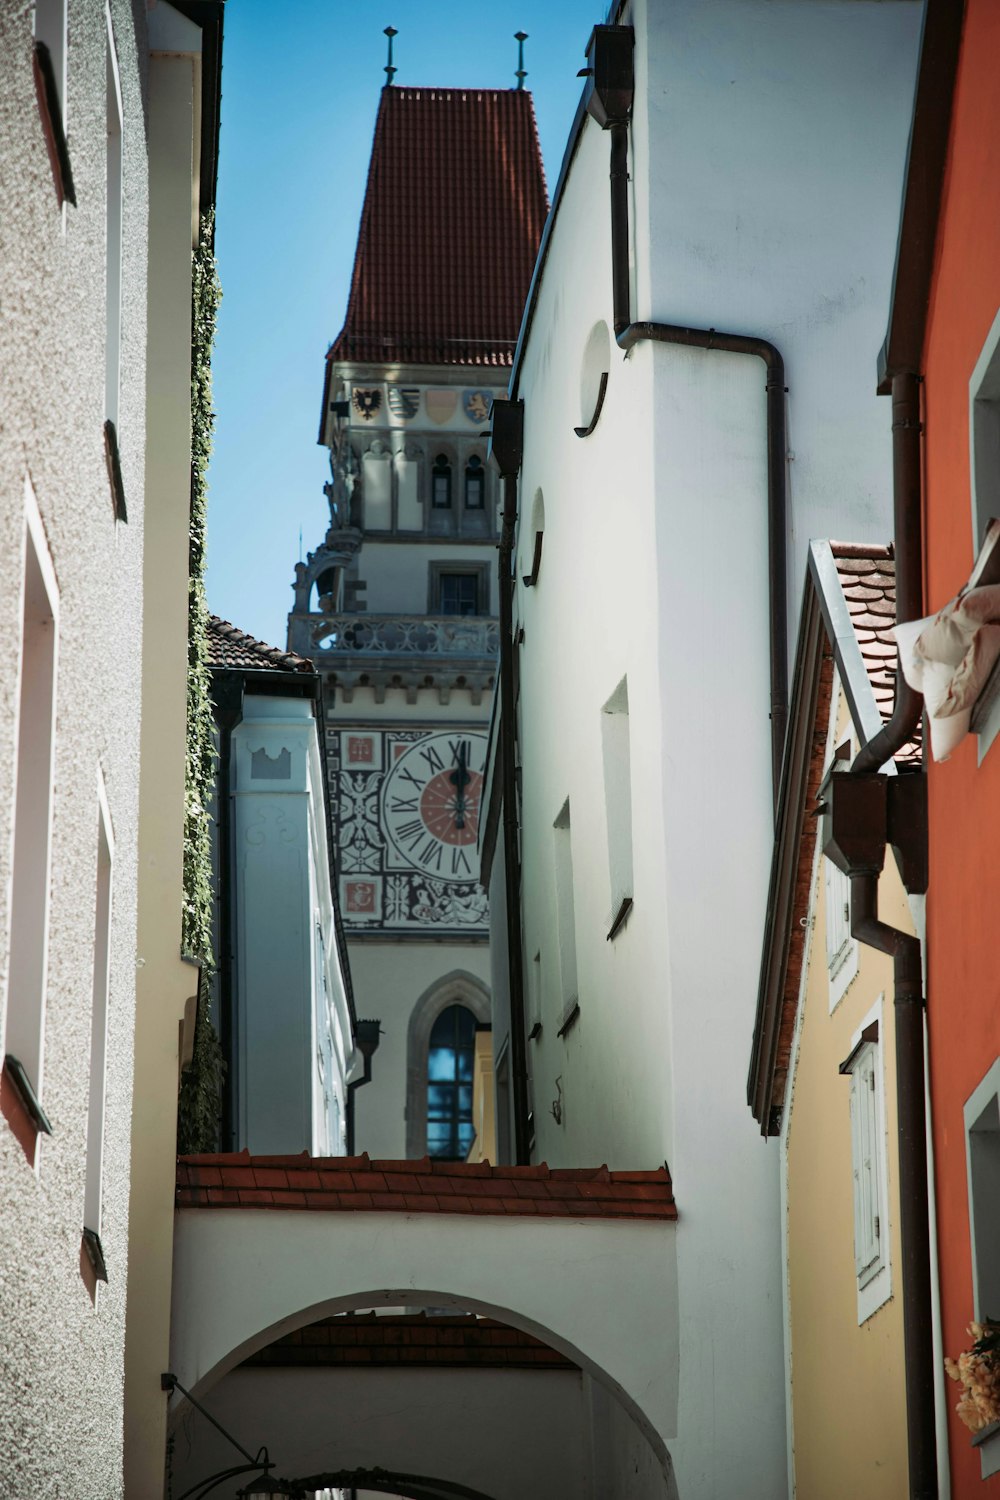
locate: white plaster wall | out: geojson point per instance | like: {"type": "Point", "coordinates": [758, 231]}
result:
{"type": "Point", "coordinates": [290, 1001]}
{"type": "Point", "coordinates": [243, 1278]}
{"type": "Point", "coordinates": [60, 1356]}
{"type": "Point", "coordinates": [397, 573]}
{"type": "Point", "coordinates": [766, 165]}
{"type": "Point", "coordinates": [389, 979]}
{"type": "Point", "coordinates": [514, 1435]}
{"type": "Point", "coordinates": [781, 126]}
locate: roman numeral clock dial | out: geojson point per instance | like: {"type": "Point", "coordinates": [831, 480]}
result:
{"type": "Point", "coordinates": [430, 804]}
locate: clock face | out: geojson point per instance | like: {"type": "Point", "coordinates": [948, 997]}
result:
{"type": "Point", "coordinates": [430, 804]}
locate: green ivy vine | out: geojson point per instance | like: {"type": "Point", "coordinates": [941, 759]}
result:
{"type": "Point", "coordinates": [200, 1103]}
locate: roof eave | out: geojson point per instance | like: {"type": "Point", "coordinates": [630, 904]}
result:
{"type": "Point", "coordinates": [923, 183]}
{"type": "Point", "coordinates": [785, 864]}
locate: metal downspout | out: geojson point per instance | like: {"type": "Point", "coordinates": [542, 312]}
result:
{"type": "Point", "coordinates": [911, 1126]}
{"type": "Point", "coordinates": [907, 968]}
{"type": "Point", "coordinates": [511, 832]}
{"type": "Point", "coordinates": [629, 334]}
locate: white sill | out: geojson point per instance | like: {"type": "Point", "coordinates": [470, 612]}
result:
{"type": "Point", "coordinates": [988, 1443]}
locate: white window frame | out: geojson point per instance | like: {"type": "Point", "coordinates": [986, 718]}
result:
{"type": "Point", "coordinates": [565, 916]}
{"type": "Point", "coordinates": [982, 1119]}
{"type": "Point", "coordinates": [114, 217]}
{"type": "Point", "coordinates": [24, 1030]}
{"type": "Point", "coordinates": [841, 947]}
{"type": "Point", "coordinates": [984, 472]}
{"type": "Point", "coordinates": [50, 25]}
{"type": "Point", "coordinates": [617, 758]}
{"type": "Point", "coordinates": [869, 1166]}
{"type": "Point", "coordinates": [93, 1194]}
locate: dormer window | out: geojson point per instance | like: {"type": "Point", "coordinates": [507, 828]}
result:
{"type": "Point", "coordinates": [441, 483]}
{"type": "Point", "coordinates": [475, 484]}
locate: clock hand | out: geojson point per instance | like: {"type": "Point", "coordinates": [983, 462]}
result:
{"type": "Point", "coordinates": [460, 779]}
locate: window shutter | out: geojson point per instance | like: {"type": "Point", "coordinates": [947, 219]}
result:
{"type": "Point", "coordinates": [864, 1136]}
{"type": "Point", "coordinates": [838, 918]}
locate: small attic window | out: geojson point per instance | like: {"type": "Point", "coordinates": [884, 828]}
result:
{"type": "Point", "coordinates": [264, 767]}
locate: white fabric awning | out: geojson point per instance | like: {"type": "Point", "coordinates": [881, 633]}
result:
{"type": "Point", "coordinates": [949, 656]}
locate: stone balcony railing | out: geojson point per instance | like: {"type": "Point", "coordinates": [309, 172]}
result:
{"type": "Point", "coordinates": [446, 635]}
{"type": "Point", "coordinates": [411, 651]}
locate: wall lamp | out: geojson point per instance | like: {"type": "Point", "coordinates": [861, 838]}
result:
{"type": "Point", "coordinates": [260, 1487]}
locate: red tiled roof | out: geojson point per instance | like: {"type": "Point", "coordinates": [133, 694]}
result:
{"type": "Point", "coordinates": [229, 647]}
{"type": "Point", "coordinates": [386, 1340]}
{"type": "Point", "coordinates": [868, 578]}
{"type": "Point", "coordinates": [451, 223]}
{"type": "Point", "coordinates": [342, 1183]}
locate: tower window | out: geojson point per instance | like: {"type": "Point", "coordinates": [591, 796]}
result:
{"type": "Point", "coordinates": [475, 484]}
{"type": "Point", "coordinates": [441, 483]}
{"type": "Point", "coordinates": [459, 593]}
{"type": "Point", "coordinates": [450, 1131]}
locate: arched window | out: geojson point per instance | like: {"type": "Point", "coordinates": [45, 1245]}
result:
{"type": "Point", "coordinates": [441, 483]}
{"type": "Point", "coordinates": [450, 1130]}
{"type": "Point", "coordinates": [475, 484]}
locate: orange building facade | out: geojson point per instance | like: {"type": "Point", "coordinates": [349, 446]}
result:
{"type": "Point", "coordinates": [963, 910]}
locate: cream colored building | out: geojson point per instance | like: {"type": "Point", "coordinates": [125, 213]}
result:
{"type": "Point", "coordinates": [823, 1075]}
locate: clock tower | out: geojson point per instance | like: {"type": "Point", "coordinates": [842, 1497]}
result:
{"type": "Point", "coordinates": [397, 605]}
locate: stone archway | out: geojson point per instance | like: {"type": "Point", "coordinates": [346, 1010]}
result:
{"type": "Point", "coordinates": [457, 988]}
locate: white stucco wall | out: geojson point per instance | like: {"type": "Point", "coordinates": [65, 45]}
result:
{"type": "Point", "coordinates": [766, 163]}
{"type": "Point", "coordinates": [61, 1355]}
{"type": "Point", "coordinates": [292, 1027]}
{"type": "Point", "coordinates": [244, 1277]}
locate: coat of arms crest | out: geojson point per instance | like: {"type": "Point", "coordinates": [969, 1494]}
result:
{"type": "Point", "coordinates": [404, 402]}
{"type": "Point", "coordinates": [367, 402]}
{"type": "Point", "coordinates": [477, 405]}
{"type": "Point", "coordinates": [441, 405]}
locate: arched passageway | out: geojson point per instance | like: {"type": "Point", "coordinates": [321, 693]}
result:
{"type": "Point", "coordinates": [484, 1409]}
{"type": "Point", "coordinates": [546, 1252]}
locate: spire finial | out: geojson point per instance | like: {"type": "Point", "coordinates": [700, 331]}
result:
{"type": "Point", "coordinates": [520, 38]}
{"type": "Point", "coordinates": [390, 71]}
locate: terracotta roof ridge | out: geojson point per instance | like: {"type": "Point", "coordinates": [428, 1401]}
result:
{"type": "Point", "coordinates": [360, 1183]}
{"type": "Point", "coordinates": [273, 656]}
{"type": "Point", "coordinates": [447, 90]}
{"type": "Point", "coordinates": [877, 551]}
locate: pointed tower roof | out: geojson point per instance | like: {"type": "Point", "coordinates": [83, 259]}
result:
{"type": "Point", "coordinates": [452, 217]}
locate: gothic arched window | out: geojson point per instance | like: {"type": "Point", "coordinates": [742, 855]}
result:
{"type": "Point", "coordinates": [475, 484]}
{"type": "Point", "coordinates": [450, 1130]}
{"type": "Point", "coordinates": [441, 483]}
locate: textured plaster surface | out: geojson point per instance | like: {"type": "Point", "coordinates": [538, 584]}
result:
{"type": "Point", "coordinates": [60, 1355]}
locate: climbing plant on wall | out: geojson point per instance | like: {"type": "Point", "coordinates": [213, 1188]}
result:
{"type": "Point", "coordinates": [201, 1085]}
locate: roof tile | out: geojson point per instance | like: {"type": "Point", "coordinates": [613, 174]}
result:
{"type": "Point", "coordinates": [450, 227]}
{"type": "Point", "coordinates": [334, 1184]}
{"type": "Point", "coordinates": [232, 649]}
{"type": "Point", "coordinates": [868, 578]}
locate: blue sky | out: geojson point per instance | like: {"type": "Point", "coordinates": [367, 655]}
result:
{"type": "Point", "coordinates": [300, 89]}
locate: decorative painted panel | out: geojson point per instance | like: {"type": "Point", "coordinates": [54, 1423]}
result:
{"type": "Point", "coordinates": [406, 818]}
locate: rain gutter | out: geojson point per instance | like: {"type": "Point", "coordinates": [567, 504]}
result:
{"type": "Point", "coordinates": [506, 448]}
{"type": "Point", "coordinates": [608, 100]}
